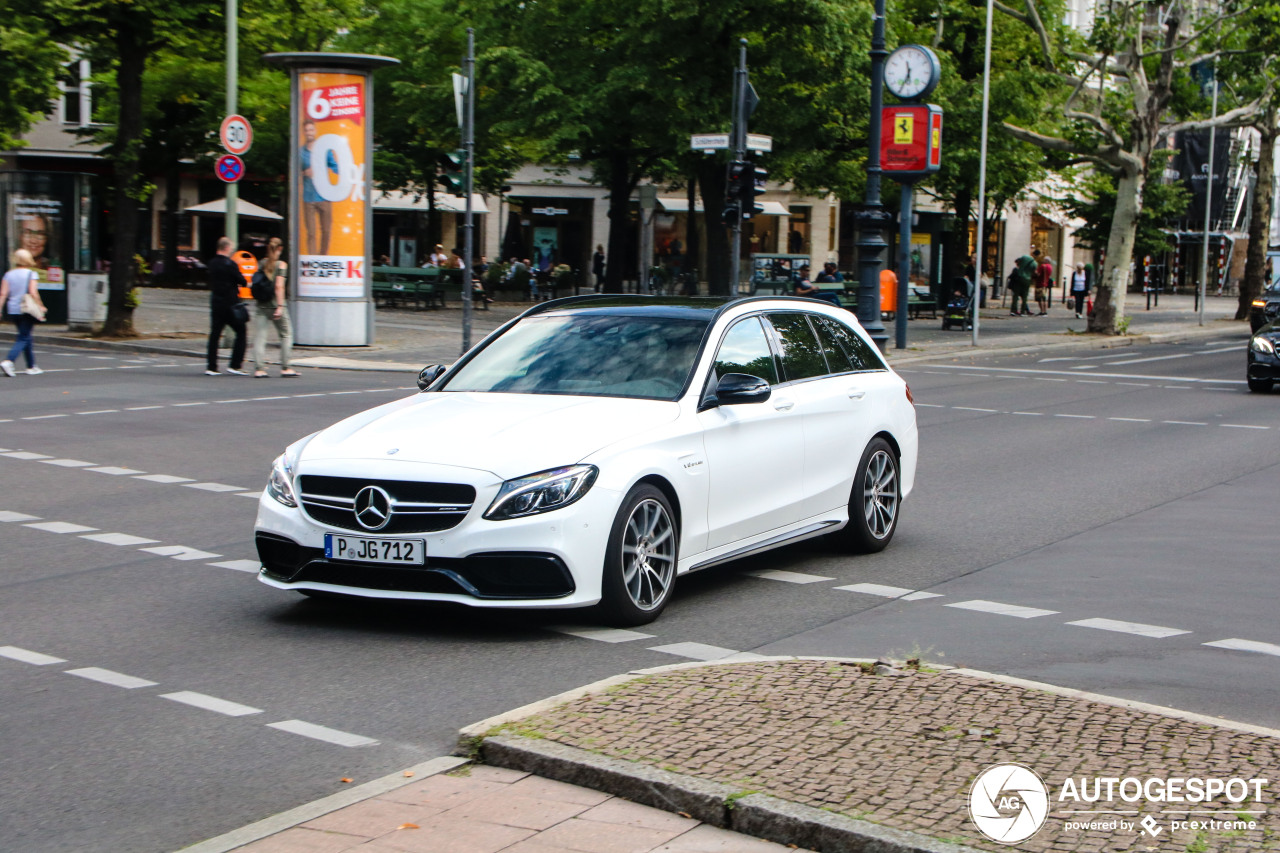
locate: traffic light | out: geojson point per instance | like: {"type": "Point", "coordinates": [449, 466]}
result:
{"type": "Point", "coordinates": [753, 181]}
{"type": "Point", "coordinates": [451, 166]}
{"type": "Point", "coordinates": [730, 215]}
{"type": "Point", "coordinates": [737, 170]}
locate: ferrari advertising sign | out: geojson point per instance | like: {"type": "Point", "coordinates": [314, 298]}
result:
{"type": "Point", "coordinates": [911, 140]}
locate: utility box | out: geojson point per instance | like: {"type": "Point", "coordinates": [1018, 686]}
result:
{"type": "Point", "coordinates": [86, 301]}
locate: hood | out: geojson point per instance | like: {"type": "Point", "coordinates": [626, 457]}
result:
{"type": "Point", "coordinates": [509, 435]}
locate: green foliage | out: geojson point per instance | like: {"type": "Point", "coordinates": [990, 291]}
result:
{"type": "Point", "coordinates": [1093, 200]}
{"type": "Point", "coordinates": [29, 64]}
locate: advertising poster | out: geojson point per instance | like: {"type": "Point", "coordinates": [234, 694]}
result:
{"type": "Point", "coordinates": [36, 224]}
{"type": "Point", "coordinates": [332, 192]}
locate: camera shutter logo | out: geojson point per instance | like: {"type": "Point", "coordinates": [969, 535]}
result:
{"type": "Point", "coordinates": [1008, 803]}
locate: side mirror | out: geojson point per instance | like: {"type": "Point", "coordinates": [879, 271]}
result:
{"type": "Point", "coordinates": [737, 388]}
{"type": "Point", "coordinates": [429, 374]}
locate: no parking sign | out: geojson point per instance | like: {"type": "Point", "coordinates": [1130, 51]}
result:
{"type": "Point", "coordinates": [229, 168]}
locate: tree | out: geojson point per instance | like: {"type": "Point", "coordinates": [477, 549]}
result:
{"type": "Point", "coordinates": [123, 35]}
{"type": "Point", "coordinates": [1123, 91]}
{"type": "Point", "coordinates": [29, 64]}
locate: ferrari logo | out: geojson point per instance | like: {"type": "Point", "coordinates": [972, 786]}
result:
{"type": "Point", "coordinates": [904, 129]}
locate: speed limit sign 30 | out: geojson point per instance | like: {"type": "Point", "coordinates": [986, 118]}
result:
{"type": "Point", "coordinates": [236, 134]}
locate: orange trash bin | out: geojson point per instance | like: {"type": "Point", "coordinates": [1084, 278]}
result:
{"type": "Point", "coordinates": [888, 291]}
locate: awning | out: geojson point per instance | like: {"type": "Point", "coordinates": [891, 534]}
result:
{"type": "Point", "coordinates": [399, 200]}
{"type": "Point", "coordinates": [681, 205]}
{"type": "Point", "coordinates": [247, 209]}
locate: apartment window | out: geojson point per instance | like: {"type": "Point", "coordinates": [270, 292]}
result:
{"type": "Point", "coordinates": [75, 105]}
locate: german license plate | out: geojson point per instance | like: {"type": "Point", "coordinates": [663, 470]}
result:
{"type": "Point", "coordinates": [404, 552]}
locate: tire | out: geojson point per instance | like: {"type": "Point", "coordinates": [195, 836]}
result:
{"type": "Point", "coordinates": [875, 502]}
{"type": "Point", "coordinates": [1260, 386]}
{"type": "Point", "coordinates": [640, 560]}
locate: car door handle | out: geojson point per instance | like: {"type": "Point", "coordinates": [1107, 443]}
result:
{"type": "Point", "coordinates": [784, 405]}
{"type": "Point", "coordinates": [857, 394]}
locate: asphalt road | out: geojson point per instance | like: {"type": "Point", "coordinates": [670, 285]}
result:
{"type": "Point", "coordinates": [154, 698]}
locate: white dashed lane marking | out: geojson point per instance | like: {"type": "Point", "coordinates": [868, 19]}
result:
{"type": "Point", "coordinates": [1000, 609]}
{"type": "Point", "coordinates": [788, 577]}
{"type": "Point", "coordinates": [604, 635]}
{"type": "Point", "coordinates": [696, 651]}
{"type": "Point", "coordinates": [23, 454]}
{"type": "Point", "coordinates": [211, 703]}
{"type": "Point", "coordinates": [119, 539]}
{"type": "Point", "coordinates": [115, 679]}
{"type": "Point", "coordinates": [1138, 628]}
{"type": "Point", "coordinates": [68, 463]}
{"type": "Point", "coordinates": [115, 472]}
{"type": "Point", "coordinates": [163, 478]}
{"type": "Point", "coordinates": [180, 552]}
{"type": "Point", "coordinates": [9, 515]}
{"type": "Point", "coordinates": [60, 527]}
{"type": "Point", "coordinates": [250, 566]}
{"type": "Point", "coordinates": [215, 487]}
{"type": "Point", "coordinates": [1246, 646]}
{"type": "Point", "coordinates": [27, 656]}
{"type": "Point", "coordinates": [311, 730]}
{"type": "Point", "coordinates": [876, 589]}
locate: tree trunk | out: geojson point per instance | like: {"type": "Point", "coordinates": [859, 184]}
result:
{"type": "Point", "coordinates": [1260, 217]}
{"type": "Point", "coordinates": [1113, 284]}
{"type": "Point", "coordinates": [132, 61]}
{"type": "Point", "coordinates": [619, 180]}
{"type": "Point", "coordinates": [957, 256]}
{"type": "Point", "coordinates": [711, 180]}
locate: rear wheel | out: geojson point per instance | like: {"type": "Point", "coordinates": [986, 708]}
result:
{"type": "Point", "coordinates": [1260, 386]}
{"type": "Point", "coordinates": [875, 500]}
{"type": "Point", "coordinates": [640, 563]}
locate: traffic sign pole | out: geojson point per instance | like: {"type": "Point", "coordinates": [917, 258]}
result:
{"type": "Point", "coordinates": [232, 226]}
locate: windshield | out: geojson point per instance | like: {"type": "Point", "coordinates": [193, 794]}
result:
{"type": "Point", "coordinates": [601, 355]}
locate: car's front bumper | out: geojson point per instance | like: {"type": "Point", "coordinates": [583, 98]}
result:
{"type": "Point", "coordinates": [553, 559]}
{"type": "Point", "coordinates": [1263, 366]}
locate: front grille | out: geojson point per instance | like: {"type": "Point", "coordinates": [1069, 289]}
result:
{"type": "Point", "coordinates": [415, 507]}
{"type": "Point", "coordinates": [501, 575]}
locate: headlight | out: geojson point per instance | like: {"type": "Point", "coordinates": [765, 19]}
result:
{"type": "Point", "coordinates": [280, 486]}
{"type": "Point", "coordinates": [541, 492]}
{"type": "Point", "coordinates": [1262, 345]}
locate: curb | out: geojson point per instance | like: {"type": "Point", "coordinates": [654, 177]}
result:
{"type": "Point", "coordinates": [758, 815]}
{"type": "Point", "coordinates": [310, 811]}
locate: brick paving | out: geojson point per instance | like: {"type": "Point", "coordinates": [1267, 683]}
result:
{"type": "Point", "coordinates": [903, 750]}
{"type": "Point", "coordinates": [479, 809]}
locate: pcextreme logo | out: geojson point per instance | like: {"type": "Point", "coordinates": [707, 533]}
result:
{"type": "Point", "coordinates": [1008, 803]}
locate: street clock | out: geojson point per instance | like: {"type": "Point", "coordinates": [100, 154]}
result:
{"type": "Point", "coordinates": [911, 72]}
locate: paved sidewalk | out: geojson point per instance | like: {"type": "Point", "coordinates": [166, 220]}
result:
{"type": "Point", "coordinates": [175, 322]}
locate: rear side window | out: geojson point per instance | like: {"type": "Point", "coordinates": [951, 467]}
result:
{"type": "Point", "coordinates": [801, 352]}
{"type": "Point", "coordinates": [861, 355]}
{"type": "Point", "coordinates": [837, 358]}
{"type": "Point", "coordinates": [745, 349]}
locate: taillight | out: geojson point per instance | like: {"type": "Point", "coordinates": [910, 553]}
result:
{"type": "Point", "coordinates": [910, 399]}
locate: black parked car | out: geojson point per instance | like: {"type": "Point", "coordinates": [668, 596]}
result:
{"type": "Point", "coordinates": [1264, 357]}
{"type": "Point", "coordinates": [1266, 307]}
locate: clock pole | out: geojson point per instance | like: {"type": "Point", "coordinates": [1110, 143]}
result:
{"type": "Point", "coordinates": [872, 217]}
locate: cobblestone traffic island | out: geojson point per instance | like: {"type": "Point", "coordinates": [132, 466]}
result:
{"type": "Point", "coordinates": [901, 748]}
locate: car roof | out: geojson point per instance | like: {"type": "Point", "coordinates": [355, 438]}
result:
{"type": "Point", "coordinates": [692, 307]}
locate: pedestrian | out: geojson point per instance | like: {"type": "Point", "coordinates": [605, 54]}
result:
{"type": "Point", "coordinates": [225, 309]}
{"type": "Point", "coordinates": [275, 312]}
{"type": "Point", "coordinates": [18, 282]}
{"type": "Point", "coordinates": [1043, 281]}
{"type": "Point", "coordinates": [1079, 288]}
{"type": "Point", "coordinates": [1019, 283]}
{"type": "Point", "coordinates": [597, 267]}
{"type": "Point", "coordinates": [438, 257]}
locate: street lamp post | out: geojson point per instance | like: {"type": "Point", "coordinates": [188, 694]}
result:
{"type": "Point", "coordinates": [873, 217]}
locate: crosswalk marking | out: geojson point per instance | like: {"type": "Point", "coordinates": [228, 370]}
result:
{"type": "Point", "coordinates": [1001, 609]}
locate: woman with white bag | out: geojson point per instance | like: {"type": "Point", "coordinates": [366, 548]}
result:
{"type": "Point", "coordinates": [20, 300]}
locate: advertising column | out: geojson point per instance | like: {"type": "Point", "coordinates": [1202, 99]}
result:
{"type": "Point", "coordinates": [329, 212]}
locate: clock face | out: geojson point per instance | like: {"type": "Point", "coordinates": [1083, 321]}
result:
{"type": "Point", "coordinates": [910, 72]}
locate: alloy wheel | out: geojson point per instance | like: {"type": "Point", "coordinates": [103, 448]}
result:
{"type": "Point", "coordinates": [648, 554]}
{"type": "Point", "coordinates": [880, 494]}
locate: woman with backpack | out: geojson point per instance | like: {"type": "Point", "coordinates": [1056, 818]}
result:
{"type": "Point", "coordinates": [269, 301]}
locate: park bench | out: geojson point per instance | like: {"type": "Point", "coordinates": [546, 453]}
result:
{"type": "Point", "coordinates": [921, 300]}
{"type": "Point", "coordinates": [395, 285]}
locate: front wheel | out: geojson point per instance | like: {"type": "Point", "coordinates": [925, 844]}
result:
{"type": "Point", "coordinates": [1260, 386]}
{"type": "Point", "coordinates": [875, 500]}
{"type": "Point", "coordinates": [640, 563]}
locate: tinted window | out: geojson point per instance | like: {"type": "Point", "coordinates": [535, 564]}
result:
{"type": "Point", "coordinates": [801, 352]}
{"type": "Point", "coordinates": [861, 354]}
{"type": "Point", "coordinates": [746, 350]}
{"type": "Point", "coordinates": [602, 355]}
{"type": "Point", "coordinates": [837, 358]}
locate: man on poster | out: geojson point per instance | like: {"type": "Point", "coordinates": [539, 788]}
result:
{"type": "Point", "coordinates": [317, 214]}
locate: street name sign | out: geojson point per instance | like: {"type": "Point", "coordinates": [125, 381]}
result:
{"type": "Point", "coordinates": [708, 141]}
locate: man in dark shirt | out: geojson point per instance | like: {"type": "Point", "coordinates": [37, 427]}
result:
{"type": "Point", "coordinates": [225, 308]}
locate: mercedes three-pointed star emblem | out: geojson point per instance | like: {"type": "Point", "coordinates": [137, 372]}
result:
{"type": "Point", "coordinates": [372, 508]}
